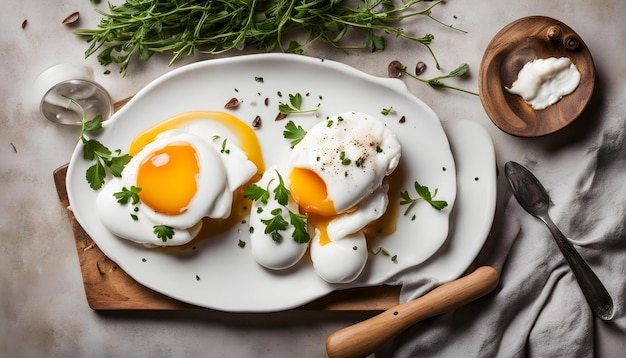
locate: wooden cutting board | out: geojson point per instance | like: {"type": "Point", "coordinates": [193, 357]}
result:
{"type": "Point", "coordinates": [108, 287]}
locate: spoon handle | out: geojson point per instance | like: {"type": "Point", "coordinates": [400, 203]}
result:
{"type": "Point", "coordinates": [596, 294]}
{"type": "Point", "coordinates": [362, 339]}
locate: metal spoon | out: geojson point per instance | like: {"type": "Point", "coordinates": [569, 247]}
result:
{"type": "Point", "coordinates": [535, 200]}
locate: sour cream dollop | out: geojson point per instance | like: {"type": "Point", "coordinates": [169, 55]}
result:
{"type": "Point", "coordinates": [543, 82]}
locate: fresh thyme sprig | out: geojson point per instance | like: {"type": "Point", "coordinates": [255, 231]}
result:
{"type": "Point", "coordinates": [141, 28]}
{"type": "Point", "coordinates": [435, 82]}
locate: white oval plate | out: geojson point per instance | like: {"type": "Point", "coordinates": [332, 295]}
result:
{"type": "Point", "coordinates": [219, 274]}
{"type": "Point", "coordinates": [474, 209]}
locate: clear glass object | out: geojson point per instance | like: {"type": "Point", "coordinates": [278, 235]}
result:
{"type": "Point", "coordinates": [58, 84]}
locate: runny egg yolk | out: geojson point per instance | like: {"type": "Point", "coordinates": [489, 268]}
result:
{"type": "Point", "coordinates": [309, 191]}
{"type": "Point", "coordinates": [167, 178]}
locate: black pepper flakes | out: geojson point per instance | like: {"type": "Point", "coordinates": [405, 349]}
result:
{"type": "Point", "coordinates": [280, 116]}
{"type": "Point", "coordinates": [402, 119]}
{"type": "Point", "coordinates": [24, 23]}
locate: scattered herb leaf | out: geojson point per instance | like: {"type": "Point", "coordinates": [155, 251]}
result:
{"type": "Point", "coordinates": [126, 195]}
{"type": "Point", "coordinates": [424, 194]}
{"type": "Point", "coordinates": [94, 150]}
{"type": "Point", "coordinates": [163, 232]}
{"type": "Point", "coordinates": [276, 224]}
{"type": "Point", "coordinates": [281, 193]}
{"type": "Point", "coordinates": [300, 233]}
{"type": "Point", "coordinates": [295, 106]}
{"type": "Point", "coordinates": [293, 133]}
{"type": "Point", "coordinates": [255, 192]}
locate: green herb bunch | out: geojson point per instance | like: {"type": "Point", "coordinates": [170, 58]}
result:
{"type": "Point", "coordinates": [146, 27]}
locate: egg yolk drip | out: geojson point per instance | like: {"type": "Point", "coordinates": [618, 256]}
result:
{"type": "Point", "coordinates": [167, 178]}
{"type": "Point", "coordinates": [309, 191]}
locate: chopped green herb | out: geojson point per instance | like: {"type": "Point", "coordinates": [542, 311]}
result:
{"type": "Point", "coordinates": [281, 193]}
{"type": "Point", "coordinates": [255, 192]}
{"type": "Point", "coordinates": [294, 133]}
{"type": "Point", "coordinates": [344, 160]}
{"type": "Point", "coordinates": [359, 162]}
{"type": "Point", "coordinates": [197, 278]}
{"type": "Point", "coordinates": [385, 252]}
{"type": "Point", "coordinates": [300, 233]}
{"type": "Point", "coordinates": [224, 150]}
{"type": "Point", "coordinates": [259, 79]}
{"type": "Point", "coordinates": [294, 106]}
{"type": "Point", "coordinates": [241, 244]}
{"type": "Point", "coordinates": [134, 217]}
{"type": "Point", "coordinates": [274, 225]}
{"type": "Point", "coordinates": [379, 149]}
{"type": "Point", "coordinates": [126, 195]}
{"type": "Point", "coordinates": [387, 111]}
{"type": "Point", "coordinates": [163, 232]}
{"type": "Point", "coordinates": [424, 194]}
{"type": "Point", "coordinates": [329, 123]}
{"type": "Point", "coordinates": [94, 150]}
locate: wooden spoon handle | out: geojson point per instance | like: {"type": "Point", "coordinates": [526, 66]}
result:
{"type": "Point", "coordinates": [365, 337]}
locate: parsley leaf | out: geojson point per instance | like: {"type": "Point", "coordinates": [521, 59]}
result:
{"type": "Point", "coordinates": [126, 195]}
{"type": "Point", "coordinates": [294, 106]}
{"type": "Point", "coordinates": [275, 224]}
{"type": "Point", "coordinates": [163, 232]}
{"type": "Point", "coordinates": [255, 192]}
{"type": "Point", "coordinates": [94, 125]}
{"type": "Point", "coordinates": [300, 233]}
{"type": "Point", "coordinates": [281, 193]}
{"type": "Point", "coordinates": [94, 150]}
{"type": "Point", "coordinates": [95, 175]}
{"type": "Point", "coordinates": [424, 194]}
{"type": "Point", "coordinates": [294, 133]}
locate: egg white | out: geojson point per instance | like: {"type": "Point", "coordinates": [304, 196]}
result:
{"type": "Point", "coordinates": [340, 261]}
{"type": "Point", "coordinates": [265, 251]}
{"type": "Point", "coordinates": [220, 174]}
{"type": "Point", "coordinates": [357, 135]}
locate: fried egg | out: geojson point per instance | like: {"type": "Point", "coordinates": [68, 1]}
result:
{"type": "Point", "coordinates": [187, 168]}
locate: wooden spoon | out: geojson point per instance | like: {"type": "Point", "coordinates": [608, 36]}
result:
{"type": "Point", "coordinates": [362, 339]}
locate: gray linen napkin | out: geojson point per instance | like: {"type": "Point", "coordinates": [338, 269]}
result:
{"type": "Point", "coordinates": [538, 310]}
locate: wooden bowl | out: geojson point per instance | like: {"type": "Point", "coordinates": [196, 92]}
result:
{"type": "Point", "coordinates": [521, 42]}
